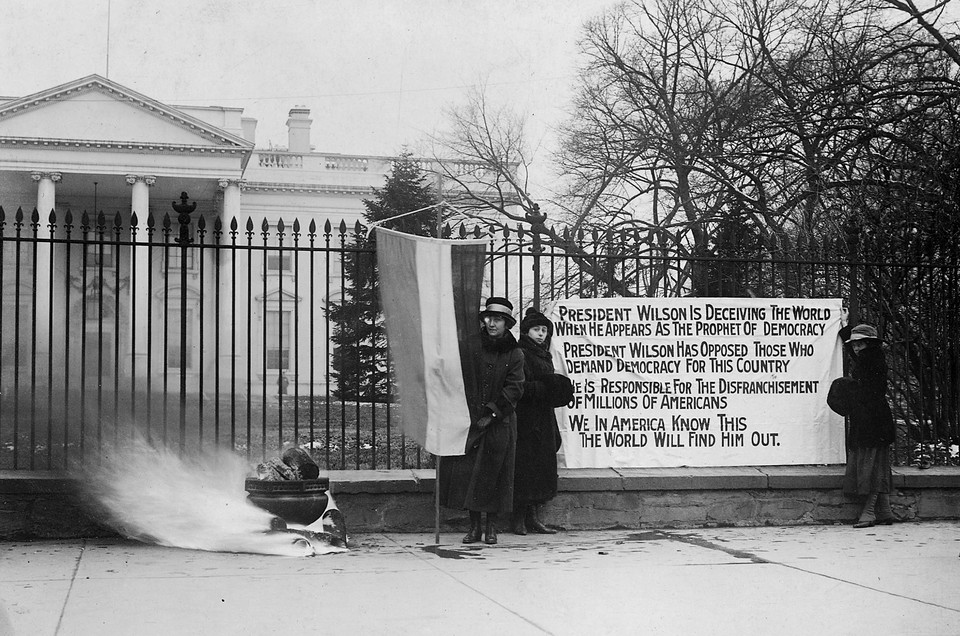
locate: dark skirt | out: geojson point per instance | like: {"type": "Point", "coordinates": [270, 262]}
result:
{"type": "Point", "coordinates": [868, 471]}
{"type": "Point", "coordinates": [535, 481]}
{"type": "Point", "coordinates": [482, 480]}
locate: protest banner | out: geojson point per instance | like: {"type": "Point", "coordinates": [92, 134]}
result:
{"type": "Point", "coordinates": [663, 382]}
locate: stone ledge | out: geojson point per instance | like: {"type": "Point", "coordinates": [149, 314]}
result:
{"type": "Point", "coordinates": [37, 482]}
{"type": "Point", "coordinates": [692, 478]}
{"type": "Point", "coordinates": [803, 477]}
{"type": "Point", "coordinates": [589, 479]}
{"type": "Point", "coordinates": [935, 477]}
{"type": "Point", "coordinates": [43, 504]}
{"type": "Point", "coordinates": [425, 478]}
{"type": "Point", "coordinates": [421, 480]}
{"type": "Point", "coordinates": [373, 481]}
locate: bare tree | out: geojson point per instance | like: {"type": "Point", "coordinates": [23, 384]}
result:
{"type": "Point", "coordinates": [698, 116]}
{"type": "Point", "coordinates": [483, 163]}
{"type": "Point", "coordinates": [927, 19]}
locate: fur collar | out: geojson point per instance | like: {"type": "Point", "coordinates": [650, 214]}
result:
{"type": "Point", "coordinates": [870, 360]}
{"type": "Point", "coordinates": [501, 345]}
{"type": "Point", "coordinates": [541, 351]}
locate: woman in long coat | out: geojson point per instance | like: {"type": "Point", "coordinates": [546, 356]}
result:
{"type": "Point", "coordinates": [538, 438]}
{"type": "Point", "coordinates": [481, 481]}
{"type": "Point", "coordinates": [871, 429]}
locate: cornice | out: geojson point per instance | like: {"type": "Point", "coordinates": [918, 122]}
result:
{"type": "Point", "coordinates": [107, 145]}
{"type": "Point", "coordinates": [305, 188]}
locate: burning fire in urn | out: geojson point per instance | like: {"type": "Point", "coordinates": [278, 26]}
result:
{"type": "Point", "coordinates": [198, 502]}
{"type": "Point", "coordinates": [291, 488]}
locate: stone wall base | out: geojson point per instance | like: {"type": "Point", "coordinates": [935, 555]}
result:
{"type": "Point", "coordinates": [38, 505]}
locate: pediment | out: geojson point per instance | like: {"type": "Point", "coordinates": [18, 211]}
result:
{"type": "Point", "coordinates": [172, 293]}
{"type": "Point", "coordinates": [276, 296]}
{"type": "Point", "coordinates": [96, 109]}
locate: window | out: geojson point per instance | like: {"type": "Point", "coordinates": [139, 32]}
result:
{"type": "Point", "coordinates": [278, 340]}
{"type": "Point", "coordinates": [176, 257]}
{"type": "Point", "coordinates": [277, 262]}
{"type": "Point", "coordinates": [100, 253]}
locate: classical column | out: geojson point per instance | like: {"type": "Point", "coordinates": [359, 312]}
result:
{"type": "Point", "coordinates": [141, 263]}
{"type": "Point", "coordinates": [46, 202]}
{"type": "Point", "coordinates": [233, 293]}
{"type": "Point", "coordinates": [46, 192]}
{"type": "Point", "coordinates": [231, 202]}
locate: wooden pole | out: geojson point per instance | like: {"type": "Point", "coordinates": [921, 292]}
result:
{"type": "Point", "coordinates": [436, 503]}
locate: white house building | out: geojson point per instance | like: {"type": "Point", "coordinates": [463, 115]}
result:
{"type": "Point", "coordinates": [95, 145]}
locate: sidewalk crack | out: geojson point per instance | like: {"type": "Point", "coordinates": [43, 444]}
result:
{"type": "Point", "coordinates": [436, 550]}
{"type": "Point", "coordinates": [704, 543]}
{"type": "Point", "coordinates": [73, 578]}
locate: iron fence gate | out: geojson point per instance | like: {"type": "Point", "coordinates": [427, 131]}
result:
{"type": "Point", "coordinates": [199, 334]}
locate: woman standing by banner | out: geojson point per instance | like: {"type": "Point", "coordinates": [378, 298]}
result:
{"type": "Point", "coordinates": [538, 438]}
{"type": "Point", "coordinates": [482, 479]}
{"type": "Point", "coordinates": [871, 428]}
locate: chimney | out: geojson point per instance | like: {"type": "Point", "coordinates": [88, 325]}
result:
{"type": "Point", "coordinates": [249, 125]}
{"type": "Point", "coordinates": [298, 129]}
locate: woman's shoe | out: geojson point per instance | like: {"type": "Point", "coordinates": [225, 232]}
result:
{"type": "Point", "coordinates": [518, 525]}
{"type": "Point", "coordinates": [886, 522]}
{"type": "Point", "coordinates": [490, 537]}
{"type": "Point", "coordinates": [475, 534]}
{"type": "Point", "coordinates": [534, 522]}
{"type": "Point", "coordinates": [868, 516]}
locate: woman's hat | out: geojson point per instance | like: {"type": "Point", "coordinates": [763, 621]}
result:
{"type": "Point", "coordinates": [533, 318]}
{"type": "Point", "coordinates": [863, 332]}
{"type": "Point", "coordinates": [498, 306]}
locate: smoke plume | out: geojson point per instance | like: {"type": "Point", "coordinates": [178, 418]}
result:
{"type": "Point", "coordinates": [197, 502]}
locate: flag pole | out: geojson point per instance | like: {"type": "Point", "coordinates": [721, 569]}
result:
{"type": "Point", "coordinates": [398, 216]}
{"type": "Point", "coordinates": [436, 503]}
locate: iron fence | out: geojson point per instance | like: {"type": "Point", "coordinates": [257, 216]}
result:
{"type": "Point", "coordinates": [205, 334]}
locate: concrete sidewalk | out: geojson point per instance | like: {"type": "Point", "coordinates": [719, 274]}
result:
{"type": "Point", "coordinates": [901, 579]}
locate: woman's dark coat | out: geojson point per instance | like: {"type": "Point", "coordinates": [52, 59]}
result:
{"type": "Point", "coordinates": [538, 438]}
{"type": "Point", "coordinates": [871, 422]}
{"type": "Point", "coordinates": [482, 480]}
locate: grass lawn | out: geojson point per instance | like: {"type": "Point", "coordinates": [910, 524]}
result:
{"type": "Point", "coordinates": [338, 435]}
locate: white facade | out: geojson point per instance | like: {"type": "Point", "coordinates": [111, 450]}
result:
{"type": "Point", "coordinates": [93, 144]}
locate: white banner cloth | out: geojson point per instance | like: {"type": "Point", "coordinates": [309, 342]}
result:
{"type": "Point", "coordinates": [666, 382]}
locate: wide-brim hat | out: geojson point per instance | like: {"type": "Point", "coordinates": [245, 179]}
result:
{"type": "Point", "coordinates": [499, 306]}
{"type": "Point", "coordinates": [863, 332]}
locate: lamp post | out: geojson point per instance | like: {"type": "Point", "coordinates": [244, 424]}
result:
{"type": "Point", "coordinates": [183, 210]}
{"type": "Point", "coordinates": [536, 219]}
